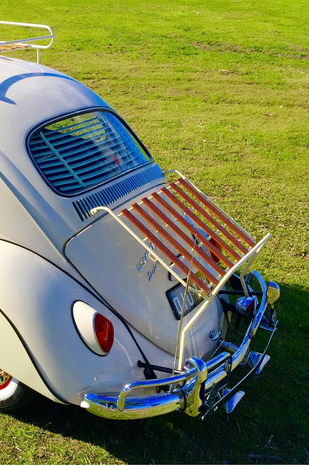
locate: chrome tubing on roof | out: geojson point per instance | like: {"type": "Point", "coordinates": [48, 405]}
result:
{"type": "Point", "coordinates": [27, 43]}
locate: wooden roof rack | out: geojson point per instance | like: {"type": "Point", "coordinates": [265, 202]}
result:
{"type": "Point", "coordinates": [226, 249]}
{"type": "Point", "coordinates": [22, 44]}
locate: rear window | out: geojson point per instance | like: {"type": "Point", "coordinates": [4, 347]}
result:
{"type": "Point", "coordinates": [83, 151]}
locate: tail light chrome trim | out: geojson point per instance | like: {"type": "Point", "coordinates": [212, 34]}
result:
{"type": "Point", "coordinates": [85, 318]}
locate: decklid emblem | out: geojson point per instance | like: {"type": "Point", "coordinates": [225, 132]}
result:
{"type": "Point", "coordinates": [145, 258]}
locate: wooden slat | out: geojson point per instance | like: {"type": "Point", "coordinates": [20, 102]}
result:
{"type": "Point", "coordinates": [219, 214]}
{"type": "Point", "coordinates": [165, 250]}
{"type": "Point", "coordinates": [202, 224]}
{"type": "Point", "coordinates": [208, 217]}
{"type": "Point", "coordinates": [192, 230]}
{"type": "Point", "coordinates": [13, 47]}
{"type": "Point", "coordinates": [177, 245]}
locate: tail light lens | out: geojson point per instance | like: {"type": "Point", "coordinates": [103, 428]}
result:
{"type": "Point", "coordinates": [218, 246]}
{"type": "Point", "coordinates": [96, 331]}
{"type": "Point", "coordinates": [104, 332]}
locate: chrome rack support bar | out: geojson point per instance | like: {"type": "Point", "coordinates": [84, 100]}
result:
{"type": "Point", "coordinates": [253, 252]}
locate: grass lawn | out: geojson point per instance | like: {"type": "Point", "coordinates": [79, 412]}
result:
{"type": "Point", "coordinates": [218, 90]}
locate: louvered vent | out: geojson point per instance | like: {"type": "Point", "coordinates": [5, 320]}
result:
{"type": "Point", "coordinates": [118, 190]}
{"type": "Point", "coordinates": [83, 151]}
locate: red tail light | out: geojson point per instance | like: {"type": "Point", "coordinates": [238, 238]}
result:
{"type": "Point", "coordinates": [104, 332]}
{"type": "Point", "coordinates": [218, 246]}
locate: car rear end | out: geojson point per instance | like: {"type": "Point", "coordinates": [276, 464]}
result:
{"type": "Point", "coordinates": [156, 250]}
{"type": "Point", "coordinates": [163, 255]}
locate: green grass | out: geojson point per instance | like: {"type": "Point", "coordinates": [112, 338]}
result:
{"type": "Point", "coordinates": [218, 90]}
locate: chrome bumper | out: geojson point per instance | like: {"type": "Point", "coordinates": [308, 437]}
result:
{"type": "Point", "coordinates": [199, 389]}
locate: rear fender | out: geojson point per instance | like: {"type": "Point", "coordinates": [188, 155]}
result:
{"type": "Point", "coordinates": [36, 299]}
{"type": "Point", "coordinates": [14, 359]}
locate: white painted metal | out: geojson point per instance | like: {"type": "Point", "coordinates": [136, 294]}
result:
{"type": "Point", "coordinates": [14, 359]}
{"type": "Point", "coordinates": [41, 310]}
{"type": "Point", "coordinates": [144, 244]}
{"type": "Point", "coordinates": [141, 302]}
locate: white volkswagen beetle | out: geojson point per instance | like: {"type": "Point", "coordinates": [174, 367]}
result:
{"type": "Point", "coordinates": [117, 280]}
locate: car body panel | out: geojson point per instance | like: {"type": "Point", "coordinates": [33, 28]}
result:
{"type": "Point", "coordinates": [16, 360]}
{"type": "Point", "coordinates": [41, 310]}
{"type": "Point", "coordinates": [107, 256]}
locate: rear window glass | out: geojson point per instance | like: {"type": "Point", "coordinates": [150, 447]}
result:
{"type": "Point", "coordinates": [83, 151]}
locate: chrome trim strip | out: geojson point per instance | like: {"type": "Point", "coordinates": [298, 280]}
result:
{"type": "Point", "coordinates": [188, 374]}
{"type": "Point", "coordinates": [219, 359]}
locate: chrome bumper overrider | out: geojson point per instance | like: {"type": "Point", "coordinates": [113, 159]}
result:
{"type": "Point", "coordinates": [199, 389]}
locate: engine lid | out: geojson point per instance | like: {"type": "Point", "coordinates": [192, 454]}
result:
{"type": "Point", "coordinates": [137, 280]}
{"type": "Point", "coordinates": [124, 273]}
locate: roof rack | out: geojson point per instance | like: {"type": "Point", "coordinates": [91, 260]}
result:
{"type": "Point", "coordinates": [22, 44]}
{"type": "Point", "coordinates": [196, 230]}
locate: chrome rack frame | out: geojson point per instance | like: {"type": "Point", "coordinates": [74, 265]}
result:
{"type": "Point", "coordinates": [22, 44]}
{"type": "Point", "coordinates": [211, 284]}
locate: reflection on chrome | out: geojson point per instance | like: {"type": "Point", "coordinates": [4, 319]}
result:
{"type": "Point", "coordinates": [197, 377]}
